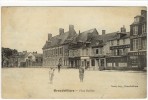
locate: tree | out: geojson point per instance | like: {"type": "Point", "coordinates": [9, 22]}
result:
{"type": "Point", "coordinates": [7, 53]}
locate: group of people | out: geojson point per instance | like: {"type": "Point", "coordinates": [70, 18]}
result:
{"type": "Point", "coordinates": [52, 69]}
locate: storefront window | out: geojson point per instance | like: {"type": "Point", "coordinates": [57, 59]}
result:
{"type": "Point", "coordinates": [144, 44]}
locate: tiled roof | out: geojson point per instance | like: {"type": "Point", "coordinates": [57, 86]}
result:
{"type": "Point", "coordinates": [87, 36]}
{"type": "Point", "coordinates": [59, 39]}
{"type": "Point", "coordinates": [108, 36]}
{"type": "Point", "coordinates": [126, 36]}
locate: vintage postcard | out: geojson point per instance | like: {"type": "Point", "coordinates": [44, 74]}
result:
{"type": "Point", "coordinates": [80, 52]}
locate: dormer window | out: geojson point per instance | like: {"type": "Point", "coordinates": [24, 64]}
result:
{"type": "Point", "coordinates": [136, 19]}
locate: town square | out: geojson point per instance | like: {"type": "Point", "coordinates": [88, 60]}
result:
{"type": "Point", "coordinates": [34, 83]}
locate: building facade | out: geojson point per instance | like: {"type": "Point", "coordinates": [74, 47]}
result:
{"type": "Point", "coordinates": [80, 50]}
{"type": "Point", "coordinates": [56, 50]}
{"type": "Point", "coordinates": [138, 40]}
{"type": "Point", "coordinates": [115, 50]}
{"type": "Point", "coordinates": [119, 47]}
{"type": "Point", "coordinates": [29, 59]}
{"type": "Point", "coordinates": [111, 52]}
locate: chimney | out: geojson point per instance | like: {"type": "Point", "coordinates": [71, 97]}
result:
{"type": "Point", "coordinates": [123, 29]}
{"type": "Point", "coordinates": [61, 31]}
{"type": "Point", "coordinates": [71, 28]}
{"type": "Point", "coordinates": [103, 32]}
{"type": "Point", "coordinates": [144, 13]}
{"type": "Point", "coordinates": [24, 52]}
{"type": "Point", "coordinates": [49, 36]}
{"type": "Point", "coordinates": [79, 32]}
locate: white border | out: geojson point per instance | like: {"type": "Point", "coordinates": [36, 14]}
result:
{"type": "Point", "coordinates": [74, 3]}
{"type": "Point", "coordinates": [70, 3]}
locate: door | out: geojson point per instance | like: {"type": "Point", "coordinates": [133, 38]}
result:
{"type": "Point", "coordinates": [102, 64]}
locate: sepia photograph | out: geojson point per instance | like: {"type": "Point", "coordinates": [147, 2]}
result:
{"type": "Point", "coordinates": [83, 52]}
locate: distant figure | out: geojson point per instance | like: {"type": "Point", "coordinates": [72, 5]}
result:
{"type": "Point", "coordinates": [59, 67]}
{"type": "Point", "coordinates": [51, 74]}
{"type": "Point", "coordinates": [81, 74]}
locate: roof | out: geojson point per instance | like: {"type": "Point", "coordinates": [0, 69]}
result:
{"type": "Point", "coordinates": [122, 36]}
{"type": "Point", "coordinates": [108, 36]}
{"type": "Point", "coordinates": [22, 55]}
{"type": "Point", "coordinates": [38, 55]}
{"type": "Point", "coordinates": [59, 39]}
{"type": "Point", "coordinates": [87, 36]}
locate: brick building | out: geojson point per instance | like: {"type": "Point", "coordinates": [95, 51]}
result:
{"type": "Point", "coordinates": [56, 47]}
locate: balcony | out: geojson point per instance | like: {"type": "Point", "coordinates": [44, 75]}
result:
{"type": "Point", "coordinates": [120, 54]}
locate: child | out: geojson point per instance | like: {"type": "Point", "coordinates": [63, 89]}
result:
{"type": "Point", "coordinates": [81, 74]}
{"type": "Point", "coordinates": [51, 74]}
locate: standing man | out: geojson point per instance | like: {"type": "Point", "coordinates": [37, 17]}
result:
{"type": "Point", "coordinates": [81, 74]}
{"type": "Point", "coordinates": [59, 67]}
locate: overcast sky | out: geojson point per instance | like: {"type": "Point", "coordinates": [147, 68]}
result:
{"type": "Point", "coordinates": [27, 28]}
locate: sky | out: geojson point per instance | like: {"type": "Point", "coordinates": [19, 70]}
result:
{"type": "Point", "coordinates": [27, 28]}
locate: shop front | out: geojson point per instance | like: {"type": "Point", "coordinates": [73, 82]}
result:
{"type": "Point", "coordinates": [137, 59]}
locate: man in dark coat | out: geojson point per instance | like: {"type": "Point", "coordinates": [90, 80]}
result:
{"type": "Point", "coordinates": [59, 67]}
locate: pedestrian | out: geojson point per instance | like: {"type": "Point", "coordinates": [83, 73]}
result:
{"type": "Point", "coordinates": [59, 67]}
{"type": "Point", "coordinates": [81, 74]}
{"type": "Point", "coordinates": [51, 74]}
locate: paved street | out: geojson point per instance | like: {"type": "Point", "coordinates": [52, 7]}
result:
{"type": "Point", "coordinates": [34, 83]}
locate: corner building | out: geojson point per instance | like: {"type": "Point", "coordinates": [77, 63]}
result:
{"type": "Point", "coordinates": [56, 50]}
{"type": "Point", "coordinates": [138, 40]}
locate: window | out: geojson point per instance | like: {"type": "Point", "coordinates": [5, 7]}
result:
{"type": "Point", "coordinates": [135, 30]}
{"type": "Point", "coordinates": [86, 51]}
{"type": "Point", "coordinates": [136, 19]}
{"type": "Point", "coordinates": [101, 49]}
{"type": "Point", "coordinates": [97, 51]}
{"type": "Point", "coordinates": [112, 52]}
{"type": "Point", "coordinates": [60, 50]}
{"type": "Point", "coordinates": [123, 41]}
{"type": "Point", "coordinates": [144, 44]}
{"type": "Point", "coordinates": [93, 62]}
{"type": "Point", "coordinates": [82, 52]}
{"type": "Point", "coordinates": [36, 60]}
{"type": "Point", "coordinates": [143, 28]}
{"type": "Point", "coordinates": [125, 51]}
{"type": "Point", "coordinates": [135, 44]}
{"type": "Point", "coordinates": [139, 43]}
{"type": "Point", "coordinates": [118, 52]}
{"type": "Point", "coordinates": [118, 42]}
{"type": "Point", "coordinates": [112, 43]}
